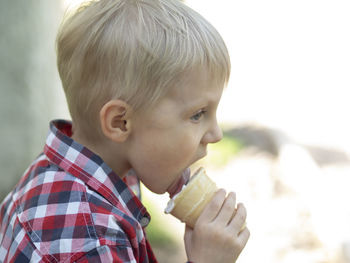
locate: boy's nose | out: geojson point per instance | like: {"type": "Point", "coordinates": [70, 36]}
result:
{"type": "Point", "coordinates": [213, 135]}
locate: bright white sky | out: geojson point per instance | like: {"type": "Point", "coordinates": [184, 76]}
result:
{"type": "Point", "coordinates": [290, 65]}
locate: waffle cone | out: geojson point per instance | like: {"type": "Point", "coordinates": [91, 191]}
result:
{"type": "Point", "coordinates": [190, 202]}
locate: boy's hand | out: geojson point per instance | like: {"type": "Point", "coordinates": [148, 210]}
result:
{"type": "Point", "coordinates": [217, 234]}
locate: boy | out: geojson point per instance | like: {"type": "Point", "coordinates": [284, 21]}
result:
{"type": "Point", "coordinates": [143, 79]}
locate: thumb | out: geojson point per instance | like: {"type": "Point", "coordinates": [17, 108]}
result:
{"type": "Point", "coordinates": [188, 239]}
{"type": "Point", "coordinates": [188, 234]}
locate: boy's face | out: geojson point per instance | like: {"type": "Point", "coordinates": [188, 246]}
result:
{"type": "Point", "coordinates": [175, 133]}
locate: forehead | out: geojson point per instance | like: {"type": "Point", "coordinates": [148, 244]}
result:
{"type": "Point", "coordinates": [194, 87]}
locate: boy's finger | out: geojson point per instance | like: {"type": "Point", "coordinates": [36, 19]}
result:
{"type": "Point", "coordinates": [188, 234]}
{"type": "Point", "coordinates": [227, 210]}
{"type": "Point", "coordinates": [212, 209]}
{"type": "Point", "coordinates": [243, 237]}
{"type": "Point", "coordinates": [239, 219]}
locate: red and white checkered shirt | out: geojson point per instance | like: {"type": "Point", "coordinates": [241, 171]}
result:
{"type": "Point", "coordinates": [69, 206]}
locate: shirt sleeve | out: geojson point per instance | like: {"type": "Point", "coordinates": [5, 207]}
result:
{"type": "Point", "coordinates": [107, 254]}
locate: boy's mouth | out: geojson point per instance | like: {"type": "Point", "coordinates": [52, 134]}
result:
{"type": "Point", "coordinates": [184, 178]}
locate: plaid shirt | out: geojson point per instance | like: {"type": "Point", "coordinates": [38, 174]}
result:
{"type": "Point", "coordinates": [69, 206]}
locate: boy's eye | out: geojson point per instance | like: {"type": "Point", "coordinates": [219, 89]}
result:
{"type": "Point", "coordinates": [198, 115]}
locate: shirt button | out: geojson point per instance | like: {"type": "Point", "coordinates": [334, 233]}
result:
{"type": "Point", "coordinates": [144, 221]}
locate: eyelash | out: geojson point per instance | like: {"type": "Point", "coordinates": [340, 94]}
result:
{"type": "Point", "coordinates": [198, 115]}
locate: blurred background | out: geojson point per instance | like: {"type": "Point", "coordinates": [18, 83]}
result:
{"type": "Point", "coordinates": [286, 151]}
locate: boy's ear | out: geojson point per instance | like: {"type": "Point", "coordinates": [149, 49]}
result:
{"type": "Point", "coordinates": [115, 120]}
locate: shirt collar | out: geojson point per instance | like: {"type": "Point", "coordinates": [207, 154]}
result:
{"type": "Point", "coordinates": [82, 163]}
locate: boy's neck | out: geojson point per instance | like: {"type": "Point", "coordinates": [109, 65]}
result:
{"type": "Point", "coordinates": [108, 151]}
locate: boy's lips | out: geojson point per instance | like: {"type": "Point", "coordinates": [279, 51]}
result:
{"type": "Point", "coordinates": [176, 187]}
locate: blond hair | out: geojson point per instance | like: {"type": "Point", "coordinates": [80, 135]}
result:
{"type": "Point", "coordinates": [134, 50]}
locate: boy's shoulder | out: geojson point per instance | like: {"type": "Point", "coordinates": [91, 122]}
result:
{"type": "Point", "coordinates": [47, 192]}
{"type": "Point", "coordinates": [69, 204]}
{"type": "Point", "coordinates": [58, 214]}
